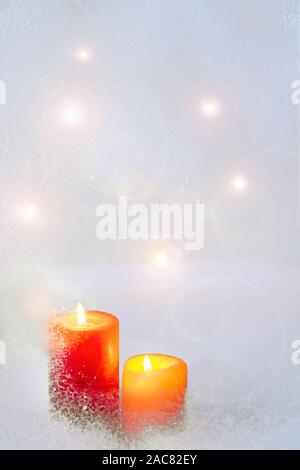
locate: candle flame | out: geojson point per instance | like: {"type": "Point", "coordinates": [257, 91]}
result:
{"type": "Point", "coordinates": [81, 318]}
{"type": "Point", "coordinates": [147, 364]}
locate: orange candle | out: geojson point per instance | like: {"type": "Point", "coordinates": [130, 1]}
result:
{"type": "Point", "coordinates": [84, 362]}
{"type": "Point", "coordinates": [153, 390]}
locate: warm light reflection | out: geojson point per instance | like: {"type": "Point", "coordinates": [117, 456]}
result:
{"type": "Point", "coordinates": [160, 260]}
{"type": "Point", "coordinates": [147, 364]}
{"type": "Point", "coordinates": [81, 318]}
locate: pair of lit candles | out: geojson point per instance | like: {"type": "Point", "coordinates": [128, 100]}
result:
{"type": "Point", "coordinates": [84, 372]}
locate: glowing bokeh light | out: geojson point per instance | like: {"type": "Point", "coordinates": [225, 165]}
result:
{"type": "Point", "coordinates": [71, 115]}
{"type": "Point", "coordinates": [29, 212]}
{"type": "Point", "coordinates": [239, 184]}
{"type": "Point", "coordinates": [210, 108]}
{"type": "Point", "coordinates": [160, 263]}
{"type": "Point", "coordinates": [160, 260]}
{"type": "Point", "coordinates": [83, 54]}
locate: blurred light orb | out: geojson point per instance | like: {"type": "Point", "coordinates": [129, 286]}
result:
{"type": "Point", "coordinates": [71, 115]}
{"type": "Point", "coordinates": [160, 260]}
{"type": "Point", "coordinates": [29, 212]}
{"type": "Point", "coordinates": [160, 263]}
{"type": "Point", "coordinates": [239, 184]}
{"type": "Point", "coordinates": [83, 54]}
{"type": "Point", "coordinates": [210, 108]}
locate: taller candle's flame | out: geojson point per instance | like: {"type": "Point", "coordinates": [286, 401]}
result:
{"type": "Point", "coordinates": [81, 318]}
{"type": "Point", "coordinates": [147, 364]}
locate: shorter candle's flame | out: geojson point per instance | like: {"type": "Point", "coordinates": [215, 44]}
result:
{"type": "Point", "coordinates": [81, 318]}
{"type": "Point", "coordinates": [147, 364]}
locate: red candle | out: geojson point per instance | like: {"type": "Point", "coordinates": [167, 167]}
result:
{"type": "Point", "coordinates": [84, 362]}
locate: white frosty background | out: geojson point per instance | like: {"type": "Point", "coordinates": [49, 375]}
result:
{"type": "Point", "coordinates": [232, 310]}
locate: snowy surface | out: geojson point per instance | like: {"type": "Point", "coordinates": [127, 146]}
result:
{"type": "Point", "coordinates": [232, 310]}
